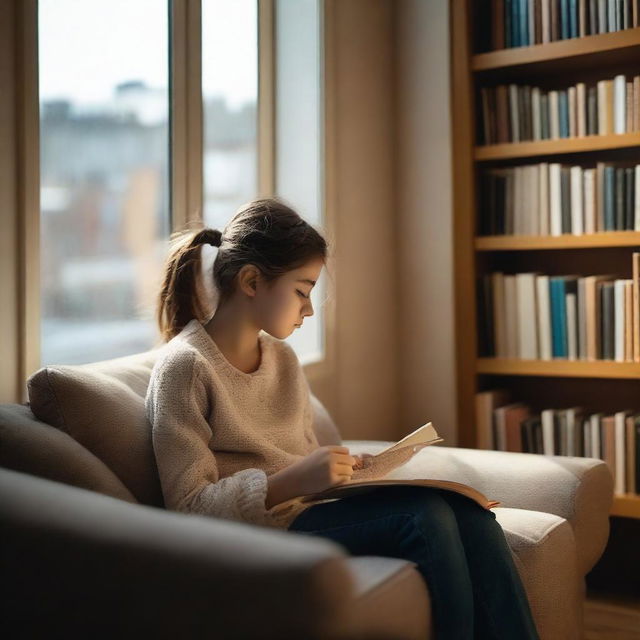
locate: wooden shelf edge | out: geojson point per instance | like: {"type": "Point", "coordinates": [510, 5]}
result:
{"type": "Point", "coordinates": [626, 505]}
{"type": "Point", "coordinates": [601, 239]}
{"type": "Point", "coordinates": [558, 49]}
{"type": "Point", "coordinates": [559, 368]}
{"type": "Point", "coordinates": [534, 148]}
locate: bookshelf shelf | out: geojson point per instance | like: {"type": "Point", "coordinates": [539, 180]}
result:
{"type": "Point", "coordinates": [559, 368]}
{"type": "Point", "coordinates": [602, 385]}
{"type": "Point", "coordinates": [563, 55]}
{"type": "Point", "coordinates": [603, 239]}
{"type": "Point", "coordinates": [626, 505]}
{"type": "Point", "coordinates": [538, 148]}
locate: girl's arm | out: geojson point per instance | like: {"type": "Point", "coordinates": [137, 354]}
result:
{"type": "Point", "coordinates": [176, 405]}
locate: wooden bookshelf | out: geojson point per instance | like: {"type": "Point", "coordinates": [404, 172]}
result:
{"type": "Point", "coordinates": [568, 62]}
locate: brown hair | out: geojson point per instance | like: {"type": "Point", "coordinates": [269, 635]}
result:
{"type": "Point", "coordinates": [265, 232]}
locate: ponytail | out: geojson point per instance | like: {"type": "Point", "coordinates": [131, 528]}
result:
{"type": "Point", "coordinates": [179, 300]}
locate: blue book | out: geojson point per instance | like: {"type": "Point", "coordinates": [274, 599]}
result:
{"type": "Point", "coordinates": [558, 317]}
{"type": "Point", "coordinates": [508, 22]}
{"type": "Point", "coordinates": [564, 19]}
{"type": "Point", "coordinates": [609, 184]}
{"type": "Point", "coordinates": [573, 19]}
{"type": "Point", "coordinates": [515, 23]}
{"type": "Point", "coordinates": [563, 106]}
{"type": "Point", "coordinates": [524, 23]}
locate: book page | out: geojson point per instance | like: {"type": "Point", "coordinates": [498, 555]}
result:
{"type": "Point", "coordinates": [385, 461]}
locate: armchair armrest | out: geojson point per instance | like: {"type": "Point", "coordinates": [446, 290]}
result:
{"type": "Point", "coordinates": [577, 489]}
{"type": "Point", "coordinates": [75, 558]}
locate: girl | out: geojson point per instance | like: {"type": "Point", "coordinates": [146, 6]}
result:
{"type": "Point", "coordinates": [233, 425]}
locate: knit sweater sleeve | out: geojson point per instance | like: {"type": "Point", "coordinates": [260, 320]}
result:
{"type": "Point", "coordinates": [177, 407]}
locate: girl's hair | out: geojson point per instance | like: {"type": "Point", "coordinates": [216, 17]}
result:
{"type": "Point", "coordinates": [265, 232]}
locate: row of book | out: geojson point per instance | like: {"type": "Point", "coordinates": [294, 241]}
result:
{"type": "Point", "coordinates": [521, 23]}
{"type": "Point", "coordinates": [518, 113]}
{"type": "Point", "coordinates": [504, 425]}
{"type": "Point", "coordinates": [534, 316]}
{"type": "Point", "coordinates": [550, 199]}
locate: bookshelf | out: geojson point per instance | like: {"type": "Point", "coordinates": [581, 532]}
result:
{"type": "Point", "coordinates": [600, 385]}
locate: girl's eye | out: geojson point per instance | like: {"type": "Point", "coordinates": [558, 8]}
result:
{"type": "Point", "coordinates": [302, 294]}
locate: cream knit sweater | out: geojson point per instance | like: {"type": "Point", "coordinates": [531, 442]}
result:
{"type": "Point", "coordinates": [218, 432]}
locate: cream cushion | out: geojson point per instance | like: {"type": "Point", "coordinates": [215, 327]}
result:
{"type": "Point", "coordinates": [101, 406]}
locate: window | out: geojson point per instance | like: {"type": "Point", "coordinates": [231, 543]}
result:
{"type": "Point", "coordinates": [106, 159]}
{"type": "Point", "coordinates": [104, 167]}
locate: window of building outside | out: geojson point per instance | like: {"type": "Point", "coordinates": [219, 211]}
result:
{"type": "Point", "coordinates": [104, 166]}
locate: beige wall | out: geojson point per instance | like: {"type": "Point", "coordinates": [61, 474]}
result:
{"type": "Point", "coordinates": [424, 214]}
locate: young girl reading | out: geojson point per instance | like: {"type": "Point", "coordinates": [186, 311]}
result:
{"type": "Point", "coordinates": [233, 424]}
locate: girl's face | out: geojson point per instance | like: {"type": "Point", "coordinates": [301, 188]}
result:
{"type": "Point", "coordinates": [287, 302]}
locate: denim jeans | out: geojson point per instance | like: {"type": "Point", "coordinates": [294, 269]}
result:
{"type": "Point", "coordinates": [459, 548]}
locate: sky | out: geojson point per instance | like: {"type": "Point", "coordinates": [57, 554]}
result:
{"type": "Point", "coordinates": [86, 47]}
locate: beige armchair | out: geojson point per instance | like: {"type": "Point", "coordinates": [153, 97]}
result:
{"type": "Point", "coordinates": [90, 550]}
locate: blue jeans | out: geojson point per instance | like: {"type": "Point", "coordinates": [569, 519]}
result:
{"type": "Point", "coordinates": [459, 548]}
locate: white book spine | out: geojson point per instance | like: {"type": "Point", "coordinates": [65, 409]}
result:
{"type": "Point", "coordinates": [546, 25]}
{"type": "Point", "coordinates": [618, 310]}
{"type": "Point", "coordinates": [555, 202]}
{"type": "Point", "coordinates": [547, 431]}
{"type": "Point", "coordinates": [544, 317]}
{"type": "Point", "coordinates": [577, 227]}
{"type": "Point", "coordinates": [619, 456]}
{"type": "Point", "coordinates": [570, 301]}
{"type": "Point", "coordinates": [534, 190]}
{"type": "Point", "coordinates": [620, 103]}
{"type": "Point", "coordinates": [527, 336]}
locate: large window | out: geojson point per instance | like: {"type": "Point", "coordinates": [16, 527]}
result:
{"type": "Point", "coordinates": [104, 165]}
{"type": "Point", "coordinates": [106, 152]}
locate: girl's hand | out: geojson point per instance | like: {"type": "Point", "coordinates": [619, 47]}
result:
{"type": "Point", "coordinates": [323, 468]}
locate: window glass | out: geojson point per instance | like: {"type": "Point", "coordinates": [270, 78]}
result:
{"type": "Point", "coordinates": [104, 167]}
{"type": "Point", "coordinates": [230, 99]}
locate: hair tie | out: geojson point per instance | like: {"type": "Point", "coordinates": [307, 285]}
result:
{"type": "Point", "coordinates": [208, 254]}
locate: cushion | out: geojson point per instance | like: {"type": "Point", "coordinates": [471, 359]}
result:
{"type": "Point", "coordinates": [101, 406]}
{"type": "Point", "coordinates": [33, 447]}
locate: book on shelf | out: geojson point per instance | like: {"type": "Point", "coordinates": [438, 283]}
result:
{"type": "Point", "coordinates": [512, 113]}
{"type": "Point", "coordinates": [505, 425]}
{"type": "Point", "coordinates": [522, 23]}
{"type": "Point", "coordinates": [536, 316]}
{"type": "Point", "coordinates": [552, 199]}
{"type": "Point", "coordinates": [389, 462]}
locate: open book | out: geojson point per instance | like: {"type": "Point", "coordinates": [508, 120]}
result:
{"type": "Point", "coordinates": [381, 465]}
